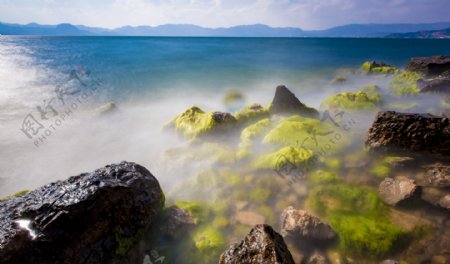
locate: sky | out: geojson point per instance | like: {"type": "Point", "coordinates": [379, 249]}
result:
{"type": "Point", "coordinates": [305, 14]}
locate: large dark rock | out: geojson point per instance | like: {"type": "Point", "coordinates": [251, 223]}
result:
{"type": "Point", "coordinates": [439, 85]}
{"type": "Point", "coordinates": [393, 191]}
{"type": "Point", "coordinates": [300, 224]}
{"type": "Point", "coordinates": [430, 66]}
{"type": "Point", "coordinates": [392, 131]}
{"type": "Point", "coordinates": [90, 218]}
{"type": "Point", "coordinates": [285, 102]}
{"type": "Point", "coordinates": [261, 246]}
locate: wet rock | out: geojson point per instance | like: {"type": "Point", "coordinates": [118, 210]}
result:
{"type": "Point", "coordinates": [285, 102]}
{"type": "Point", "coordinates": [392, 191]}
{"type": "Point", "coordinates": [176, 222]}
{"type": "Point", "coordinates": [303, 225]}
{"type": "Point", "coordinates": [436, 196]}
{"type": "Point", "coordinates": [440, 85]}
{"type": "Point", "coordinates": [372, 67]}
{"type": "Point", "coordinates": [261, 245]}
{"type": "Point", "coordinates": [392, 131]}
{"type": "Point", "coordinates": [437, 175]}
{"type": "Point", "coordinates": [317, 258]}
{"type": "Point", "coordinates": [430, 66]}
{"type": "Point", "coordinates": [94, 217]}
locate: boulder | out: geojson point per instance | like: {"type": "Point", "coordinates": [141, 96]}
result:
{"type": "Point", "coordinates": [300, 224]}
{"type": "Point", "coordinates": [261, 245]}
{"type": "Point", "coordinates": [175, 223]}
{"type": "Point", "coordinates": [353, 101]}
{"type": "Point", "coordinates": [392, 131]}
{"type": "Point", "coordinates": [439, 197]}
{"type": "Point", "coordinates": [440, 85]}
{"type": "Point", "coordinates": [430, 66]}
{"type": "Point", "coordinates": [285, 102]}
{"type": "Point", "coordinates": [94, 217]}
{"type": "Point", "coordinates": [437, 175]}
{"type": "Point", "coordinates": [317, 258]}
{"type": "Point", "coordinates": [392, 191]}
{"type": "Point", "coordinates": [372, 67]}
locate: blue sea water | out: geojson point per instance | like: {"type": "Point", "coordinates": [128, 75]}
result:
{"type": "Point", "coordinates": [130, 65]}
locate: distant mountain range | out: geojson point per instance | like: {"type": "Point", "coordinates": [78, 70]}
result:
{"type": "Point", "coordinates": [257, 30]}
{"type": "Point", "coordinates": [430, 34]}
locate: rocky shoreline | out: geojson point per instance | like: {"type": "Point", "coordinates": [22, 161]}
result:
{"type": "Point", "coordinates": [293, 189]}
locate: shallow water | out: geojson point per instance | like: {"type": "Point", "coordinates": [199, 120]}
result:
{"type": "Point", "coordinates": [151, 80]}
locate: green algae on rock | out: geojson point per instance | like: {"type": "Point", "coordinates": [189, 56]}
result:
{"type": "Point", "coordinates": [405, 83]}
{"type": "Point", "coordinates": [279, 159]}
{"type": "Point", "coordinates": [233, 96]}
{"type": "Point", "coordinates": [194, 122]}
{"type": "Point", "coordinates": [251, 112]}
{"type": "Point", "coordinates": [353, 100]}
{"type": "Point", "coordinates": [371, 67]}
{"type": "Point", "coordinates": [19, 193]}
{"type": "Point", "coordinates": [196, 210]}
{"type": "Point", "coordinates": [359, 217]}
{"type": "Point", "coordinates": [249, 134]}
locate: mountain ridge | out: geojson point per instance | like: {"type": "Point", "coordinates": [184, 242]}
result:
{"type": "Point", "coordinates": [254, 30]}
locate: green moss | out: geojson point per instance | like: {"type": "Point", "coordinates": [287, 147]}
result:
{"type": "Point", "coordinates": [371, 88]}
{"type": "Point", "coordinates": [220, 222]}
{"type": "Point", "coordinates": [353, 101]}
{"type": "Point", "coordinates": [249, 134]}
{"type": "Point", "coordinates": [195, 122]}
{"type": "Point", "coordinates": [260, 195]}
{"type": "Point", "coordinates": [300, 132]}
{"type": "Point", "coordinates": [380, 171]}
{"type": "Point", "coordinates": [208, 238]}
{"type": "Point", "coordinates": [252, 112]}
{"type": "Point", "coordinates": [334, 164]}
{"type": "Point", "coordinates": [17, 194]}
{"type": "Point", "coordinates": [198, 211]}
{"type": "Point", "coordinates": [358, 216]}
{"type": "Point", "coordinates": [322, 177]}
{"type": "Point", "coordinates": [285, 156]}
{"type": "Point", "coordinates": [405, 83]}
{"type": "Point", "coordinates": [369, 67]}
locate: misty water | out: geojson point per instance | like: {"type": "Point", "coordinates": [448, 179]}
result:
{"type": "Point", "coordinates": [119, 94]}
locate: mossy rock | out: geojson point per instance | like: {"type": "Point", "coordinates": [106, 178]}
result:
{"type": "Point", "coordinates": [371, 67]}
{"type": "Point", "coordinates": [196, 210]}
{"type": "Point", "coordinates": [260, 195]}
{"type": "Point", "coordinates": [17, 194]}
{"type": "Point", "coordinates": [194, 122]}
{"type": "Point", "coordinates": [359, 217]}
{"type": "Point", "coordinates": [380, 171]}
{"type": "Point", "coordinates": [208, 239]}
{"type": "Point", "coordinates": [252, 112]}
{"type": "Point", "coordinates": [371, 88]}
{"type": "Point", "coordinates": [322, 177]}
{"type": "Point", "coordinates": [287, 156]}
{"type": "Point", "coordinates": [353, 101]}
{"type": "Point", "coordinates": [249, 134]}
{"type": "Point", "coordinates": [338, 80]}
{"type": "Point", "coordinates": [220, 222]}
{"type": "Point", "coordinates": [231, 97]}
{"type": "Point", "coordinates": [405, 83]}
{"type": "Point", "coordinates": [300, 131]}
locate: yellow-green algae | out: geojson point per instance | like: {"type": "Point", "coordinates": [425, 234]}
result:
{"type": "Point", "coordinates": [368, 67]}
{"type": "Point", "coordinates": [405, 83]}
{"type": "Point", "coordinates": [198, 211]}
{"type": "Point", "coordinates": [251, 112]}
{"type": "Point", "coordinates": [353, 100]}
{"type": "Point", "coordinates": [358, 216]}
{"type": "Point", "coordinates": [232, 96]}
{"type": "Point", "coordinates": [195, 122]}
{"type": "Point", "coordinates": [322, 177]}
{"type": "Point", "coordinates": [248, 134]}
{"type": "Point", "coordinates": [285, 156]}
{"type": "Point", "coordinates": [17, 194]}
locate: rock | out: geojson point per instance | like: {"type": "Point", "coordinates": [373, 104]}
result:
{"type": "Point", "coordinates": [441, 85]}
{"type": "Point", "coordinates": [437, 175]}
{"type": "Point", "coordinates": [302, 225]}
{"type": "Point", "coordinates": [249, 218]}
{"type": "Point", "coordinates": [405, 83]}
{"type": "Point", "coordinates": [429, 66]}
{"type": "Point", "coordinates": [353, 101]}
{"type": "Point", "coordinates": [106, 108]}
{"type": "Point", "coordinates": [317, 258]}
{"type": "Point", "coordinates": [338, 80]}
{"type": "Point", "coordinates": [262, 245]}
{"type": "Point", "coordinates": [176, 222]}
{"type": "Point", "coordinates": [393, 191]}
{"type": "Point", "coordinates": [392, 131]}
{"type": "Point", "coordinates": [252, 112]}
{"type": "Point", "coordinates": [372, 67]}
{"type": "Point", "coordinates": [285, 102]}
{"type": "Point", "coordinates": [436, 196]}
{"type": "Point", "coordinates": [389, 261]}
{"type": "Point", "coordinates": [90, 218]}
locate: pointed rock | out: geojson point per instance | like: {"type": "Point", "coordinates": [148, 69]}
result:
{"type": "Point", "coordinates": [285, 102]}
{"type": "Point", "coordinates": [261, 246]}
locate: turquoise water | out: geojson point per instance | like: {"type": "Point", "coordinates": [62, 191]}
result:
{"type": "Point", "coordinates": [128, 65]}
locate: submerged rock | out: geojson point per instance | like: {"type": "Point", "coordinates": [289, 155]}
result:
{"type": "Point", "coordinates": [90, 218]}
{"type": "Point", "coordinates": [430, 66]}
{"type": "Point", "coordinates": [353, 100]}
{"type": "Point", "coordinates": [301, 224]}
{"type": "Point", "coordinates": [261, 245]}
{"type": "Point", "coordinates": [285, 102]}
{"type": "Point", "coordinates": [410, 132]}
{"type": "Point", "coordinates": [175, 223]}
{"type": "Point", "coordinates": [392, 191]}
{"type": "Point", "coordinates": [252, 112]}
{"type": "Point", "coordinates": [372, 67]}
{"type": "Point", "coordinates": [437, 175]}
{"type": "Point", "coordinates": [440, 85]}
{"type": "Point", "coordinates": [406, 83]}
{"type": "Point", "coordinates": [436, 196]}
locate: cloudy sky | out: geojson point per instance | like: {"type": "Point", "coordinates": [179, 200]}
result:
{"type": "Point", "coordinates": [306, 14]}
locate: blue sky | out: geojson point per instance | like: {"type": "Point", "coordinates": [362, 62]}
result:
{"type": "Point", "coordinates": [306, 14]}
